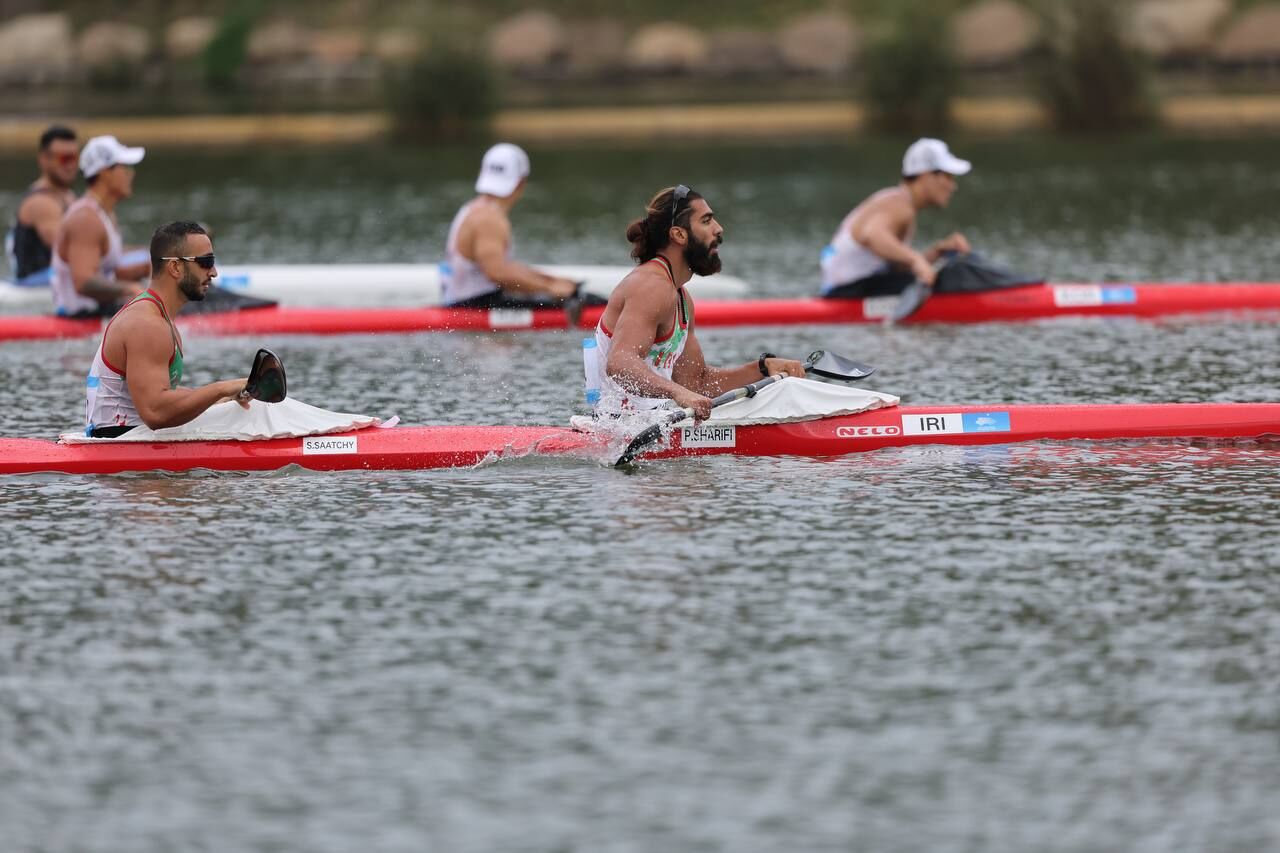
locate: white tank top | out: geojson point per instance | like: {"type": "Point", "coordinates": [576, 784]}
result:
{"type": "Point", "coordinates": [845, 260]}
{"type": "Point", "coordinates": [66, 299]}
{"type": "Point", "coordinates": [661, 358]}
{"type": "Point", "coordinates": [460, 278]}
{"type": "Point", "coordinates": [107, 399]}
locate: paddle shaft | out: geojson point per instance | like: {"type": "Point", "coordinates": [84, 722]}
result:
{"type": "Point", "coordinates": [820, 361]}
{"type": "Point", "coordinates": [654, 432]}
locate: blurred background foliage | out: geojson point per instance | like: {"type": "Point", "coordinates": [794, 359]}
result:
{"type": "Point", "coordinates": [905, 68]}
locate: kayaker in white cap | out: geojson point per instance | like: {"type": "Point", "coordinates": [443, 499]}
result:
{"type": "Point", "coordinates": [871, 253]}
{"type": "Point", "coordinates": [478, 270]}
{"type": "Point", "coordinates": [89, 275]}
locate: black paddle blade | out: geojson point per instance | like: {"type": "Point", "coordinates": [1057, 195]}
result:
{"type": "Point", "coordinates": [834, 366]}
{"type": "Point", "coordinates": [913, 296]}
{"type": "Point", "coordinates": [639, 443]}
{"type": "Point", "coordinates": [266, 378]}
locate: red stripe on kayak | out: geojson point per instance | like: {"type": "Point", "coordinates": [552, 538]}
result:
{"type": "Point", "coordinates": [1017, 304]}
{"type": "Point", "coordinates": [456, 446]}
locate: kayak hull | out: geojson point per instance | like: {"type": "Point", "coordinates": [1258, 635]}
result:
{"type": "Point", "coordinates": [424, 447]}
{"type": "Point", "coordinates": [364, 285]}
{"type": "Point", "coordinates": [1034, 302]}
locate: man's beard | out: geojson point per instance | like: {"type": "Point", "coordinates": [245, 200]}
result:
{"type": "Point", "coordinates": [699, 258]}
{"type": "Point", "coordinates": [190, 287]}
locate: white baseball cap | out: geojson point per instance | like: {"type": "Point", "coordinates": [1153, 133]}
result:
{"type": "Point", "coordinates": [503, 168]}
{"type": "Point", "coordinates": [932, 155]}
{"type": "Point", "coordinates": [103, 152]}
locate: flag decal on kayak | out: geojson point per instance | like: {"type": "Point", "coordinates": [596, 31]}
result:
{"type": "Point", "coordinates": [1090, 295]}
{"type": "Point", "coordinates": [709, 435]}
{"type": "Point", "coordinates": [955, 423]}
{"type": "Point", "coordinates": [319, 445]}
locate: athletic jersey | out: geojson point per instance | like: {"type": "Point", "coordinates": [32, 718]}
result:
{"type": "Point", "coordinates": [460, 277]}
{"type": "Point", "coordinates": [66, 299]}
{"type": "Point", "coordinates": [108, 402]}
{"type": "Point", "coordinates": [845, 260]}
{"type": "Point", "coordinates": [661, 358]}
{"type": "Point", "coordinates": [28, 254]}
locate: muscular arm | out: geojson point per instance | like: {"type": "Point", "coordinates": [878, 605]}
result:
{"type": "Point", "coordinates": [147, 375]}
{"type": "Point", "coordinates": [82, 240]}
{"type": "Point", "coordinates": [692, 371]}
{"type": "Point", "coordinates": [42, 212]}
{"type": "Point", "coordinates": [134, 272]}
{"type": "Point", "coordinates": [643, 311]}
{"type": "Point", "coordinates": [490, 238]}
{"type": "Point", "coordinates": [880, 232]}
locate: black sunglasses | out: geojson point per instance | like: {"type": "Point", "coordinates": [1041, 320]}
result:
{"type": "Point", "coordinates": [205, 262]}
{"type": "Point", "coordinates": [678, 195]}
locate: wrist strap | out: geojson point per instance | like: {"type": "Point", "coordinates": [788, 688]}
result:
{"type": "Point", "coordinates": [764, 371]}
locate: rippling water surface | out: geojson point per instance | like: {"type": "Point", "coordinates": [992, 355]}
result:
{"type": "Point", "coordinates": [1037, 647]}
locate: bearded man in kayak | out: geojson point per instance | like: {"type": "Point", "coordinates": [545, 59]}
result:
{"type": "Point", "coordinates": [871, 253]}
{"type": "Point", "coordinates": [646, 351]}
{"type": "Point", "coordinates": [40, 211]}
{"type": "Point", "coordinates": [135, 375]}
{"type": "Point", "coordinates": [478, 271]}
{"type": "Point", "coordinates": [89, 273]}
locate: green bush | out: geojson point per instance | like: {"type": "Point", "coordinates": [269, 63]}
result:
{"type": "Point", "coordinates": [226, 51]}
{"type": "Point", "coordinates": [1089, 77]}
{"type": "Point", "coordinates": [909, 67]}
{"type": "Point", "coordinates": [448, 93]}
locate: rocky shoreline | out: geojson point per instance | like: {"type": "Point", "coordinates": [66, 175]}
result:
{"type": "Point", "coordinates": [281, 53]}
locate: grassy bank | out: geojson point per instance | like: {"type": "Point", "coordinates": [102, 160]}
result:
{"type": "Point", "coordinates": [780, 120]}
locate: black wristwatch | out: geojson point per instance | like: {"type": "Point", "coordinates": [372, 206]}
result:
{"type": "Point", "coordinates": [764, 371]}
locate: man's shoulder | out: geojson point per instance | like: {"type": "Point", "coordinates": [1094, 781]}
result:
{"type": "Point", "coordinates": [889, 197]}
{"type": "Point", "coordinates": [890, 202]}
{"type": "Point", "coordinates": [81, 220]}
{"type": "Point", "coordinates": [40, 202]}
{"type": "Point", "coordinates": [649, 283]}
{"type": "Point", "coordinates": [139, 322]}
{"type": "Point", "coordinates": [483, 210]}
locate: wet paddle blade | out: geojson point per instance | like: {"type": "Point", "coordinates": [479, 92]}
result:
{"type": "Point", "coordinates": [821, 362]}
{"type": "Point", "coordinates": [266, 379]}
{"type": "Point", "coordinates": [639, 443]}
{"type": "Point", "coordinates": [913, 296]}
{"type": "Point", "coordinates": [834, 366]}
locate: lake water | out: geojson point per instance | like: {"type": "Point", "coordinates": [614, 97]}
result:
{"type": "Point", "coordinates": [1053, 647]}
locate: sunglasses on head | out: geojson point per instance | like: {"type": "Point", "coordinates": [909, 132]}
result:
{"type": "Point", "coordinates": [678, 196]}
{"type": "Point", "coordinates": [205, 262]}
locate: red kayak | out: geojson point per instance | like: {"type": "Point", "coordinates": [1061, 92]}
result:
{"type": "Point", "coordinates": [1032, 302]}
{"type": "Point", "coordinates": [459, 446]}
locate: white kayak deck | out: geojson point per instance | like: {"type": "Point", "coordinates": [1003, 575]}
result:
{"type": "Point", "coordinates": [372, 285]}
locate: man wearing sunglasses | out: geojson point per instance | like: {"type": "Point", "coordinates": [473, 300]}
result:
{"type": "Point", "coordinates": [40, 211]}
{"type": "Point", "coordinates": [478, 270]}
{"type": "Point", "coordinates": [646, 352]}
{"type": "Point", "coordinates": [135, 374]}
{"type": "Point", "coordinates": [871, 253]}
{"type": "Point", "coordinates": [89, 273]}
